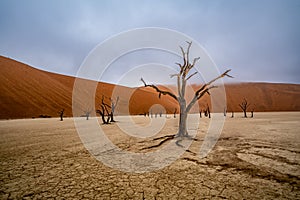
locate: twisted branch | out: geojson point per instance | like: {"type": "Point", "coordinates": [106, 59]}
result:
{"type": "Point", "coordinates": [160, 92]}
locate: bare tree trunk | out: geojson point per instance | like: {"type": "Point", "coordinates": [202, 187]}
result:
{"type": "Point", "coordinates": [103, 119]}
{"type": "Point", "coordinates": [112, 117]}
{"type": "Point", "coordinates": [232, 114]}
{"type": "Point", "coordinates": [102, 114]}
{"type": "Point", "coordinates": [245, 113]}
{"type": "Point", "coordinates": [182, 118]}
{"type": "Point", "coordinates": [208, 111]}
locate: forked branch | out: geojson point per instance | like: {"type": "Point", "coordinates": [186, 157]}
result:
{"type": "Point", "coordinates": [205, 89]}
{"type": "Point", "coordinates": [199, 91]}
{"type": "Point", "coordinates": [160, 92]}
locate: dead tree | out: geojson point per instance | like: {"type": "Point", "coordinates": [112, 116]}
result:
{"type": "Point", "coordinates": [61, 114]}
{"type": "Point", "coordinates": [252, 111]}
{"type": "Point", "coordinates": [87, 114]}
{"type": "Point", "coordinates": [104, 112]}
{"type": "Point", "coordinates": [113, 107]}
{"type": "Point", "coordinates": [232, 114]}
{"type": "Point", "coordinates": [182, 77]}
{"type": "Point", "coordinates": [244, 106]}
{"type": "Point", "coordinates": [175, 112]}
{"type": "Point", "coordinates": [207, 112]}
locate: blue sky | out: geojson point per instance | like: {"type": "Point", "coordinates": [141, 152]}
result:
{"type": "Point", "coordinates": [258, 39]}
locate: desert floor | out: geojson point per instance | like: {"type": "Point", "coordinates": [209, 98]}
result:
{"type": "Point", "coordinates": [255, 158]}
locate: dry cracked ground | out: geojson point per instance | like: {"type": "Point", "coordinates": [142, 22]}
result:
{"type": "Point", "coordinates": [255, 158]}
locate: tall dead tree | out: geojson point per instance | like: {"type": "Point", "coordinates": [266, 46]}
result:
{"type": "Point", "coordinates": [244, 106]}
{"type": "Point", "coordinates": [182, 77]}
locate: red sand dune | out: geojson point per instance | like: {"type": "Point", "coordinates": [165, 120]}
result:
{"type": "Point", "coordinates": [26, 92]}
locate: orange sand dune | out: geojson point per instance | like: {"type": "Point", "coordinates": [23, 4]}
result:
{"type": "Point", "coordinates": [27, 92]}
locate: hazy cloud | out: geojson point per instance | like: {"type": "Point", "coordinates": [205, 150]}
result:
{"type": "Point", "coordinates": [259, 40]}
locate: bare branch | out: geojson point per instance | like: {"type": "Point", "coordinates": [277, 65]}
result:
{"type": "Point", "coordinates": [244, 105]}
{"type": "Point", "coordinates": [143, 82]}
{"type": "Point", "coordinates": [191, 75]}
{"type": "Point", "coordinates": [194, 61]}
{"type": "Point", "coordinates": [117, 101]}
{"type": "Point", "coordinates": [188, 51]}
{"type": "Point", "coordinates": [184, 60]}
{"type": "Point", "coordinates": [105, 104]}
{"type": "Point", "coordinates": [173, 75]}
{"type": "Point", "coordinates": [206, 91]}
{"type": "Point", "coordinates": [178, 65]}
{"type": "Point", "coordinates": [221, 76]}
{"type": "Point", "coordinates": [160, 92]}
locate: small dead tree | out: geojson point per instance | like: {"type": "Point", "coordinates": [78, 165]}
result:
{"type": "Point", "coordinates": [61, 114]}
{"type": "Point", "coordinates": [175, 112]}
{"type": "Point", "coordinates": [252, 111]}
{"type": "Point", "coordinates": [207, 112]}
{"type": "Point", "coordinates": [87, 114]}
{"type": "Point", "coordinates": [113, 107]}
{"type": "Point", "coordinates": [104, 112]}
{"type": "Point", "coordinates": [244, 106]}
{"type": "Point", "coordinates": [182, 77]}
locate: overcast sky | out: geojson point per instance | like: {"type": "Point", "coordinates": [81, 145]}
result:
{"type": "Point", "coordinates": [258, 39]}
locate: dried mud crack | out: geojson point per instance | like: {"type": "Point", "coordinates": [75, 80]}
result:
{"type": "Point", "coordinates": [45, 159]}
